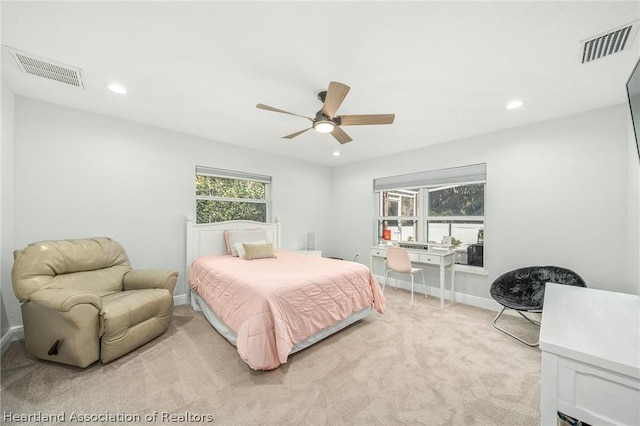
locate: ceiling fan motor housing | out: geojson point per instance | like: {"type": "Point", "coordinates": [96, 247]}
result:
{"type": "Point", "coordinates": [327, 121]}
{"type": "Point", "coordinates": [322, 117]}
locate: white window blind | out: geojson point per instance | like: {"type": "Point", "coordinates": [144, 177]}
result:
{"type": "Point", "coordinates": [209, 171]}
{"type": "Point", "coordinates": [456, 175]}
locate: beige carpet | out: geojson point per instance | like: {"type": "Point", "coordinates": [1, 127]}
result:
{"type": "Point", "coordinates": [412, 365]}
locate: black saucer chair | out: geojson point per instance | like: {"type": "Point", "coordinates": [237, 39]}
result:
{"type": "Point", "coordinates": [523, 291]}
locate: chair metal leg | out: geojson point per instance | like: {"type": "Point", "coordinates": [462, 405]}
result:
{"type": "Point", "coordinates": [384, 283]}
{"type": "Point", "coordinates": [531, 320]}
{"type": "Point", "coordinates": [411, 288]}
{"type": "Point", "coordinates": [386, 276]}
{"type": "Point", "coordinates": [511, 334]}
{"type": "Point", "coordinates": [424, 282]}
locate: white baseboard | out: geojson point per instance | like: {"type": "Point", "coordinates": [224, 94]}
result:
{"type": "Point", "coordinates": [180, 300]}
{"type": "Point", "coordinates": [478, 302]}
{"type": "Point", "coordinates": [467, 299]}
{"type": "Point", "coordinates": [14, 333]}
{"type": "Point", "coordinates": [17, 333]}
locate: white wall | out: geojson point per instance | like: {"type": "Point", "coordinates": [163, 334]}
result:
{"type": "Point", "coordinates": [563, 192]}
{"type": "Point", "coordinates": [78, 174]}
{"type": "Point", "coordinates": [8, 310]}
{"type": "Point", "coordinates": [557, 194]}
{"type": "Point", "coordinates": [633, 248]}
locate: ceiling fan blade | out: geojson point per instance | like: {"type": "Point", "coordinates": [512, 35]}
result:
{"type": "Point", "coordinates": [268, 108]}
{"type": "Point", "coordinates": [335, 95]}
{"type": "Point", "coordinates": [354, 120]}
{"type": "Point", "coordinates": [293, 135]}
{"type": "Point", "coordinates": [340, 135]}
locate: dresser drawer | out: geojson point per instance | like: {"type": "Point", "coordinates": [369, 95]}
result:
{"type": "Point", "coordinates": [378, 252]}
{"type": "Point", "coordinates": [430, 259]}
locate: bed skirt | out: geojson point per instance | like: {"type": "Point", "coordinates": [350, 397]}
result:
{"type": "Point", "coordinates": [198, 304]}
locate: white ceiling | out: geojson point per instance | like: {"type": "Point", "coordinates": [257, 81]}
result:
{"type": "Point", "coordinates": [446, 69]}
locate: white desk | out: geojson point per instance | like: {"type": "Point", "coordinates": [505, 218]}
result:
{"type": "Point", "coordinates": [439, 259]}
{"type": "Point", "coordinates": [590, 356]}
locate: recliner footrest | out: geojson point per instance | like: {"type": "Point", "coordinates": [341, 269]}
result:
{"type": "Point", "coordinates": [129, 319]}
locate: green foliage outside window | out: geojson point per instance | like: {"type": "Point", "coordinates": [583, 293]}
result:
{"type": "Point", "coordinates": [214, 186]}
{"type": "Point", "coordinates": [463, 200]}
{"type": "Point", "coordinates": [219, 199]}
{"type": "Point", "coordinates": [219, 211]}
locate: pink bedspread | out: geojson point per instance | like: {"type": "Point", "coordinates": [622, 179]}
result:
{"type": "Point", "coordinates": [273, 304]}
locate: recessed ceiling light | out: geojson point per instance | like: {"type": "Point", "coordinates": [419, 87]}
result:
{"type": "Point", "coordinates": [117, 88]}
{"type": "Point", "coordinates": [514, 104]}
{"type": "Point", "coordinates": [336, 153]}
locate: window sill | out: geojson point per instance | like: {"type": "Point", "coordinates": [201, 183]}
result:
{"type": "Point", "coordinates": [474, 270]}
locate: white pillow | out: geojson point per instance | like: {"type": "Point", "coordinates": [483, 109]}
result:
{"type": "Point", "coordinates": [232, 237]}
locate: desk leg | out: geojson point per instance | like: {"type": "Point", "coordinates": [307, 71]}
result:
{"type": "Point", "coordinates": [384, 271]}
{"type": "Point", "coordinates": [453, 284]}
{"type": "Point", "coordinates": [441, 287]}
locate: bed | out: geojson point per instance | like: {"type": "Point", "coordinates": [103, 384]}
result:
{"type": "Point", "coordinates": [270, 302]}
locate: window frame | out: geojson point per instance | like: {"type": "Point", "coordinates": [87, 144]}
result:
{"type": "Point", "coordinates": [422, 182]}
{"type": "Point", "coordinates": [399, 218]}
{"type": "Point", "coordinates": [237, 175]}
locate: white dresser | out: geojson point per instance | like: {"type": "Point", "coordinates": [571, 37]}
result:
{"type": "Point", "coordinates": [590, 356]}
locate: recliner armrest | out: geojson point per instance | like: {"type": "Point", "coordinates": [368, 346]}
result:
{"type": "Point", "coordinates": [65, 299]}
{"type": "Point", "coordinates": [150, 278]}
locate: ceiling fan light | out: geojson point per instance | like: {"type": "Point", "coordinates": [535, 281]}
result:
{"type": "Point", "coordinates": [324, 126]}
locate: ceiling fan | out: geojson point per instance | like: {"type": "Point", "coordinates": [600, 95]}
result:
{"type": "Point", "coordinates": [326, 120]}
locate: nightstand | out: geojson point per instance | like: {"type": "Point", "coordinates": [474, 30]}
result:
{"type": "Point", "coordinates": [316, 253]}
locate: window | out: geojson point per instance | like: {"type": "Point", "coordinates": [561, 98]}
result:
{"type": "Point", "coordinates": [426, 207]}
{"type": "Point", "coordinates": [399, 214]}
{"type": "Point", "coordinates": [228, 195]}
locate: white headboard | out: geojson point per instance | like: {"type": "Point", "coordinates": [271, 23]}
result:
{"type": "Point", "coordinates": [208, 238]}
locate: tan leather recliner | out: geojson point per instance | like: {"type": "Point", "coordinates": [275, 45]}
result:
{"type": "Point", "coordinates": [81, 300]}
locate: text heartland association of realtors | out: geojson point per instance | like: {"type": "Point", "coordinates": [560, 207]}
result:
{"type": "Point", "coordinates": [107, 417]}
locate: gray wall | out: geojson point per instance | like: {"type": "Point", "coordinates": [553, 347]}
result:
{"type": "Point", "coordinates": [560, 192]}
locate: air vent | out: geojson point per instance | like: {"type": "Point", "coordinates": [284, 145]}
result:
{"type": "Point", "coordinates": [609, 43]}
{"type": "Point", "coordinates": [46, 68]}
